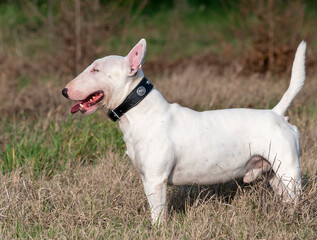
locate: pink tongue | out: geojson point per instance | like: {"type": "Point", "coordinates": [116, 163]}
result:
{"type": "Point", "coordinates": [75, 108]}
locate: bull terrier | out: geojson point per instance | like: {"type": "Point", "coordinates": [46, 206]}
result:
{"type": "Point", "coordinates": [171, 144]}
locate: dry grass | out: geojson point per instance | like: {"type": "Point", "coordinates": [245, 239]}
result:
{"type": "Point", "coordinates": [106, 199]}
{"type": "Point", "coordinates": [191, 85]}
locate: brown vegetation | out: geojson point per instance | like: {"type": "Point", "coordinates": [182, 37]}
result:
{"type": "Point", "coordinates": [106, 199]}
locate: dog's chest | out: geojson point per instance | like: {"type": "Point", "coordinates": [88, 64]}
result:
{"type": "Point", "coordinates": [130, 149]}
{"type": "Point", "coordinates": [132, 152]}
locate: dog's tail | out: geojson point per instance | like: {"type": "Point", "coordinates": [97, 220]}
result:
{"type": "Point", "coordinates": [297, 80]}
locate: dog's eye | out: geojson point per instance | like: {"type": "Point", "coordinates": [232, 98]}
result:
{"type": "Point", "coordinates": [95, 70]}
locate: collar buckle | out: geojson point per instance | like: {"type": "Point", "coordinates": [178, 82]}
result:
{"type": "Point", "coordinates": [113, 115]}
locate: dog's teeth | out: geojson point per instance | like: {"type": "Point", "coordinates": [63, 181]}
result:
{"type": "Point", "coordinates": [81, 106]}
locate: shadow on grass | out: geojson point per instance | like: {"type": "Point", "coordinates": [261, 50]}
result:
{"type": "Point", "coordinates": [258, 194]}
{"type": "Point", "coordinates": [182, 197]}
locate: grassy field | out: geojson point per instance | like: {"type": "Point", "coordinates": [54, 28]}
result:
{"type": "Point", "coordinates": [67, 177]}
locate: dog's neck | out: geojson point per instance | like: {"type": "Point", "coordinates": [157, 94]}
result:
{"type": "Point", "coordinates": [153, 102]}
{"type": "Point", "coordinates": [132, 100]}
{"type": "Point", "coordinates": [143, 112]}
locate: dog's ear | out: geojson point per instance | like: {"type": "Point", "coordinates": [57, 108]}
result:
{"type": "Point", "coordinates": [136, 56]}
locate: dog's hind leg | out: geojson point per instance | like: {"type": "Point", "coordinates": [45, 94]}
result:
{"type": "Point", "coordinates": [286, 177]}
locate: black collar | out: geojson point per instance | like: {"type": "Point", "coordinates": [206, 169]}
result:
{"type": "Point", "coordinates": [133, 99]}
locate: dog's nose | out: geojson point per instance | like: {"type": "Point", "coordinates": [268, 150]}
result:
{"type": "Point", "coordinates": [64, 92]}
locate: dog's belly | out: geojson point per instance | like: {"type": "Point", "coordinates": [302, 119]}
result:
{"type": "Point", "coordinates": [205, 176]}
{"type": "Point", "coordinates": [209, 167]}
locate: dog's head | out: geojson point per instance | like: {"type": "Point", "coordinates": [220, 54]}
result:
{"type": "Point", "coordinates": [107, 81]}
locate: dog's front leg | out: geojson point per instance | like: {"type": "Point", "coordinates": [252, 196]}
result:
{"type": "Point", "coordinates": [155, 190]}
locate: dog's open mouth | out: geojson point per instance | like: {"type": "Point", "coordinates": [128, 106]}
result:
{"type": "Point", "coordinates": [88, 102]}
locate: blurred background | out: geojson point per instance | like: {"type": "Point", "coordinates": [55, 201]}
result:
{"type": "Point", "coordinates": [45, 43]}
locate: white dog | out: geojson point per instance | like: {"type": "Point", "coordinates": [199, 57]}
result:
{"type": "Point", "coordinates": [170, 144]}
